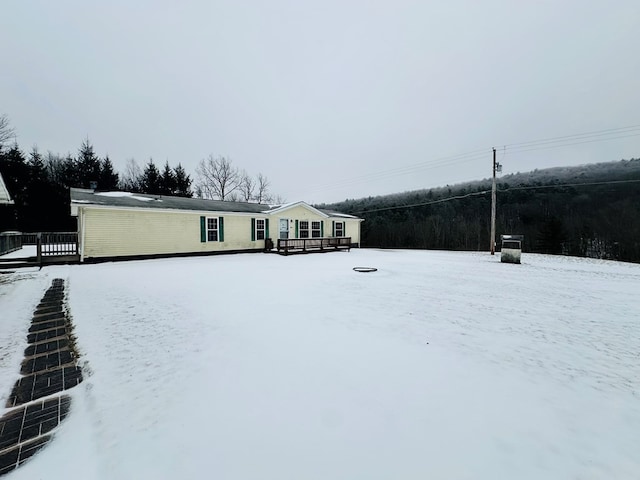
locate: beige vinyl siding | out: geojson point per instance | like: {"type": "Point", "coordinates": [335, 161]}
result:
{"type": "Point", "coordinates": [125, 232]}
{"type": "Point", "coordinates": [300, 213]}
{"type": "Point", "coordinates": [351, 228]}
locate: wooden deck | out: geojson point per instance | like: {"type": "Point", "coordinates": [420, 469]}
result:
{"type": "Point", "coordinates": [313, 245]}
{"type": "Point", "coordinates": [47, 248]}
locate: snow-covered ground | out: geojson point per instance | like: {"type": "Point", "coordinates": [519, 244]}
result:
{"type": "Point", "coordinates": [439, 365]}
{"type": "Point", "coordinates": [25, 252]}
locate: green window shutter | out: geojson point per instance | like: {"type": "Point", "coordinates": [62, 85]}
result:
{"type": "Point", "coordinates": [221, 229]}
{"type": "Point", "coordinates": [322, 228]}
{"type": "Point", "coordinates": [296, 228]}
{"type": "Point", "coordinates": [333, 228]}
{"type": "Point", "coordinates": [203, 229]}
{"type": "Point", "coordinates": [344, 229]}
{"type": "Point", "coordinates": [253, 229]}
{"type": "Point", "coordinates": [266, 228]}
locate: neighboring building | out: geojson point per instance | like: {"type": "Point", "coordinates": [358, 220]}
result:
{"type": "Point", "coordinates": [7, 209]}
{"type": "Point", "coordinates": [5, 198]}
{"type": "Point", "coordinates": [121, 224]}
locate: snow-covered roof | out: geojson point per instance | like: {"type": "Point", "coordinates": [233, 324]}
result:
{"type": "Point", "coordinates": [319, 211]}
{"type": "Point", "coordinates": [141, 200]}
{"type": "Point", "coordinates": [83, 197]}
{"type": "Point", "coordinates": [5, 198]}
{"type": "Point", "coordinates": [336, 214]}
{"type": "Point", "coordinates": [287, 206]}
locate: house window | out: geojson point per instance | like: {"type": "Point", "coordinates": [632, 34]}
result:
{"type": "Point", "coordinates": [212, 229]}
{"type": "Point", "coordinates": [304, 229]}
{"type": "Point", "coordinates": [316, 231]}
{"type": "Point", "coordinates": [260, 229]}
{"type": "Point", "coordinates": [339, 229]}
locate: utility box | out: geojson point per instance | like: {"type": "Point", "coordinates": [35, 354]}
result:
{"type": "Point", "coordinates": [511, 248]}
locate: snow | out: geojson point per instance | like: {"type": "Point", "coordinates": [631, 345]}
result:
{"type": "Point", "coordinates": [28, 251]}
{"type": "Point", "coordinates": [24, 252]}
{"type": "Point", "coordinates": [114, 194]}
{"type": "Point", "coordinates": [123, 194]}
{"type": "Point", "coordinates": [438, 365]}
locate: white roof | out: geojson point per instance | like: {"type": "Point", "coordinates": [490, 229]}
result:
{"type": "Point", "coordinates": [4, 193]}
{"type": "Point", "coordinates": [321, 212]}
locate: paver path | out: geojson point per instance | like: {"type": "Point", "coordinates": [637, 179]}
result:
{"type": "Point", "coordinates": [49, 368]}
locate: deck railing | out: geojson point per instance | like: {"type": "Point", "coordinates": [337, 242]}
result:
{"type": "Point", "coordinates": [29, 239]}
{"type": "Point", "coordinates": [10, 242]}
{"type": "Point", "coordinates": [290, 245]}
{"type": "Point", "coordinates": [59, 243]}
{"type": "Point", "coordinates": [52, 244]}
{"type": "Point", "coordinates": [43, 248]}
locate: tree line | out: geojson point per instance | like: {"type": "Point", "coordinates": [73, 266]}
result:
{"type": "Point", "coordinates": [589, 211]}
{"type": "Point", "coordinates": [39, 183]}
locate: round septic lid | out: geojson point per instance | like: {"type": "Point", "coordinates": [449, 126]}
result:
{"type": "Point", "coordinates": [365, 269]}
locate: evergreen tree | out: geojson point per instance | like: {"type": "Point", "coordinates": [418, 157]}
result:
{"type": "Point", "coordinates": [150, 181]}
{"type": "Point", "coordinates": [46, 206]}
{"type": "Point", "coordinates": [168, 183]}
{"type": "Point", "coordinates": [15, 173]}
{"type": "Point", "coordinates": [37, 170]}
{"type": "Point", "coordinates": [70, 172]}
{"type": "Point", "coordinates": [108, 179]}
{"type": "Point", "coordinates": [88, 165]}
{"type": "Point", "coordinates": [183, 182]}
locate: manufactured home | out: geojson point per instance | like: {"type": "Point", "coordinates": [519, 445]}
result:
{"type": "Point", "coordinates": [117, 225]}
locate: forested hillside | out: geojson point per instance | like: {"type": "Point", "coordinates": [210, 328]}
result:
{"type": "Point", "coordinates": [589, 210]}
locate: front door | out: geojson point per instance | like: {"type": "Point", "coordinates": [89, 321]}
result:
{"type": "Point", "coordinates": [284, 228]}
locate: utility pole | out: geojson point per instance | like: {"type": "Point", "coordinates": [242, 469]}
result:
{"type": "Point", "coordinates": [496, 167]}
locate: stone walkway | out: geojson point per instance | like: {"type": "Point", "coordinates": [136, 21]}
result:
{"type": "Point", "coordinates": [49, 368]}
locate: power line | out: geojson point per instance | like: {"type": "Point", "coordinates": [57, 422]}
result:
{"type": "Point", "coordinates": [543, 147]}
{"type": "Point", "coordinates": [478, 154]}
{"type": "Point", "coordinates": [584, 134]}
{"type": "Point", "coordinates": [484, 192]}
{"type": "Point", "coordinates": [422, 204]}
{"type": "Point", "coordinates": [438, 162]}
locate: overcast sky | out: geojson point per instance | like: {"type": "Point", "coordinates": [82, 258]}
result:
{"type": "Point", "coordinates": [329, 99]}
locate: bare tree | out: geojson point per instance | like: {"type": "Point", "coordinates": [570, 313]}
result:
{"type": "Point", "coordinates": [247, 187]}
{"type": "Point", "coordinates": [6, 130]}
{"type": "Point", "coordinates": [132, 176]}
{"type": "Point", "coordinates": [277, 200]}
{"type": "Point", "coordinates": [54, 164]}
{"type": "Point", "coordinates": [262, 189]}
{"type": "Point", "coordinates": [217, 178]}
